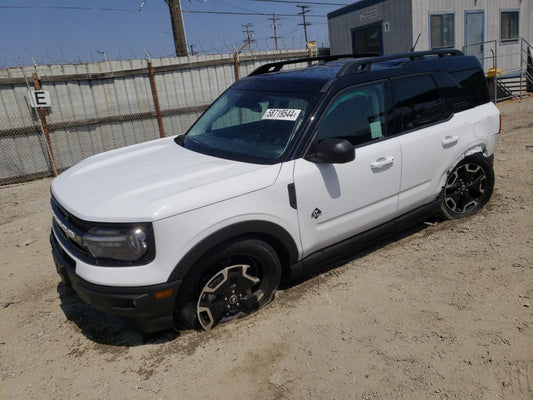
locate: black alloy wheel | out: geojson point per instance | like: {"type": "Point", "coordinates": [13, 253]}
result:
{"type": "Point", "coordinates": [468, 187]}
{"type": "Point", "coordinates": [232, 281]}
{"type": "Point", "coordinates": [232, 293]}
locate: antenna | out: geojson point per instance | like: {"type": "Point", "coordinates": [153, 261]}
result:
{"type": "Point", "coordinates": [414, 45]}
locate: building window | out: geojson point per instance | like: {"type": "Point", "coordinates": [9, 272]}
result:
{"type": "Point", "coordinates": [367, 40]}
{"type": "Point", "coordinates": [442, 31]}
{"type": "Point", "coordinates": [509, 26]}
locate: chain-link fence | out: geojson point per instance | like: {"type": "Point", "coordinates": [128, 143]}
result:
{"type": "Point", "coordinates": [23, 151]}
{"type": "Point", "coordinates": [100, 107]}
{"type": "Point", "coordinates": [26, 154]}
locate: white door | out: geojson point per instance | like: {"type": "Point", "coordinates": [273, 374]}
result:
{"type": "Point", "coordinates": [430, 140]}
{"type": "Point", "coordinates": [337, 201]}
{"type": "Point", "coordinates": [475, 34]}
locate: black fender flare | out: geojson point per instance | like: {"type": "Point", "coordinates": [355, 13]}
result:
{"type": "Point", "coordinates": [277, 236]}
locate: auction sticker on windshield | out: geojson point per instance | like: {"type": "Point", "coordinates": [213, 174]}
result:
{"type": "Point", "coordinates": [285, 114]}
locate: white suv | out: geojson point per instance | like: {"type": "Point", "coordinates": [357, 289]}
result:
{"type": "Point", "coordinates": [285, 170]}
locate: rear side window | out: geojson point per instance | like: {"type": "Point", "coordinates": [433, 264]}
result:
{"type": "Point", "coordinates": [417, 102]}
{"type": "Point", "coordinates": [458, 98]}
{"type": "Point", "coordinates": [474, 85]}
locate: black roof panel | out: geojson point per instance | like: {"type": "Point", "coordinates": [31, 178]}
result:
{"type": "Point", "coordinates": [314, 79]}
{"type": "Point", "coordinates": [310, 79]}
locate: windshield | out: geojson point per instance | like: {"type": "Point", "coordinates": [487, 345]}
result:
{"type": "Point", "coordinates": [250, 126]}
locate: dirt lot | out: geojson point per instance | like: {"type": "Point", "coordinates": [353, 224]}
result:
{"type": "Point", "coordinates": [445, 311]}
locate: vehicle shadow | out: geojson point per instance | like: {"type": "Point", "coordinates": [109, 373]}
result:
{"type": "Point", "coordinates": [103, 328]}
{"type": "Point", "coordinates": [330, 265]}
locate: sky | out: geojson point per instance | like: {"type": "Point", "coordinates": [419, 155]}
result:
{"type": "Point", "coordinates": [80, 31]}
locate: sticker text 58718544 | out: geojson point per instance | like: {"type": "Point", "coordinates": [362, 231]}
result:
{"type": "Point", "coordinates": [285, 114]}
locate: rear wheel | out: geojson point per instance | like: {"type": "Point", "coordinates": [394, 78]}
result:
{"type": "Point", "coordinates": [232, 281]}
{"type": "Point", "coordinates": [468, 187]}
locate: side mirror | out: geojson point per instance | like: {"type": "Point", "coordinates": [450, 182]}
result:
{"type": "Point", "coordinates": [333, 151]}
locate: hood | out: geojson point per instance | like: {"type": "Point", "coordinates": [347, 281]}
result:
{"type": "Point", "coordinates": [152, 181]}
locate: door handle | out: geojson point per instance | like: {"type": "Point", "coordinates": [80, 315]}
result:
{"type": "Point", "coordinates": [382, 162]}
{"type": "Point", "coordinates": [448, 140]}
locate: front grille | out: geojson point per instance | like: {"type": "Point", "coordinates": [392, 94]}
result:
{"type": "Point", "coordinates": [64, 255]}
{"type": "Point", "coordinates": [64, 214]}
{"type": "Point", "coordinates": [69, 228]}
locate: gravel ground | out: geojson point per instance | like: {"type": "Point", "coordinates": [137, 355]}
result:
{"type": "Point", "coordinates": [444, 311]}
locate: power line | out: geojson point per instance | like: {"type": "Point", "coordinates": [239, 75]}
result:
{"type": "Point", "coordinates": [318, 3]}
{"type": "Point", "coordinates": [75, 8]}
{"type": "Point", "coordinates": [237, 7]}
{"type": "Point", "coordinates": [243, 13]}
{"type": "Point", "coordinates": [71, 8]}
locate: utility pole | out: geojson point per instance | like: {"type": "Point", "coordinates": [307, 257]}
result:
{"type": "Point", "coordinates": [248, 35]}
{"type": "Point", "coordinates": [180, 42]}
{"type": "Point", "coordinates": [305, 24]}
{"type": "Point", "coordinates": [275, 26]}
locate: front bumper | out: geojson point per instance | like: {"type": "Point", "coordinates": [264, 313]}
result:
{"type": "Point", "coordinates": [146, 311]}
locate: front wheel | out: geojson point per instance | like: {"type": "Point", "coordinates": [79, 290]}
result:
{"type": "Point", "coordinates": [232, 281]}
{"type": "Point", "coordinates": [468, 187]}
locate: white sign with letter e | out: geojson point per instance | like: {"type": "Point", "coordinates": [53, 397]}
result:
{"type": "Point", "coordinates": [39, 98]}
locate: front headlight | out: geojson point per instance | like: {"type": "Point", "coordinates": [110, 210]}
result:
{"type": "Point", "coordinates": [124, 244]}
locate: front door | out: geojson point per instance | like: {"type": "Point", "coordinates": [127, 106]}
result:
{"type": "Point", "coordinates": [337, 201]}
{"type": "Point", "coordinates": [475, 34]}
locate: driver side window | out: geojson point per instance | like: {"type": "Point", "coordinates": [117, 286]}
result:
{"type": "Point", "coordinates": [357, 114]}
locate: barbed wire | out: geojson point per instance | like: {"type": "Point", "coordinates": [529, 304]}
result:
{"type": "Point", "coordinates": [291, 38]}
{"type": "Point", "coordinates": [264, 43]}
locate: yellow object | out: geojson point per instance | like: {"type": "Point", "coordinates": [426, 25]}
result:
{"type": "Point", "coordinates": [490, 73]}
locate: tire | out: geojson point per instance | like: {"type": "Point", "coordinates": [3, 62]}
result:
{"type": "Point", "coordinates": [468, 187]}
{"type": "Point", "coordinates": [230, 282]}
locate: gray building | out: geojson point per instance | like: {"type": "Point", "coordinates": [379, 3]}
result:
{"type": "Point", "coordinates": [495, 31]}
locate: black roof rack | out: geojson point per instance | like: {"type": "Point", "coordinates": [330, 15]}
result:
{"type": "Point", "coordinates": [361, 62]}
{"type": "Point", "coordinates": [365, 64]}
{"type": "Point", "coordinates": [277, 66]}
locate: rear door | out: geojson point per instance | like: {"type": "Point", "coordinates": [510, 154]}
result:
{"type": "Point", "coordinates": [429, 137]}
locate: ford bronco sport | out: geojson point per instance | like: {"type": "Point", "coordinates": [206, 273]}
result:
{"type": "Point", "coordinates": [285, 170]}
